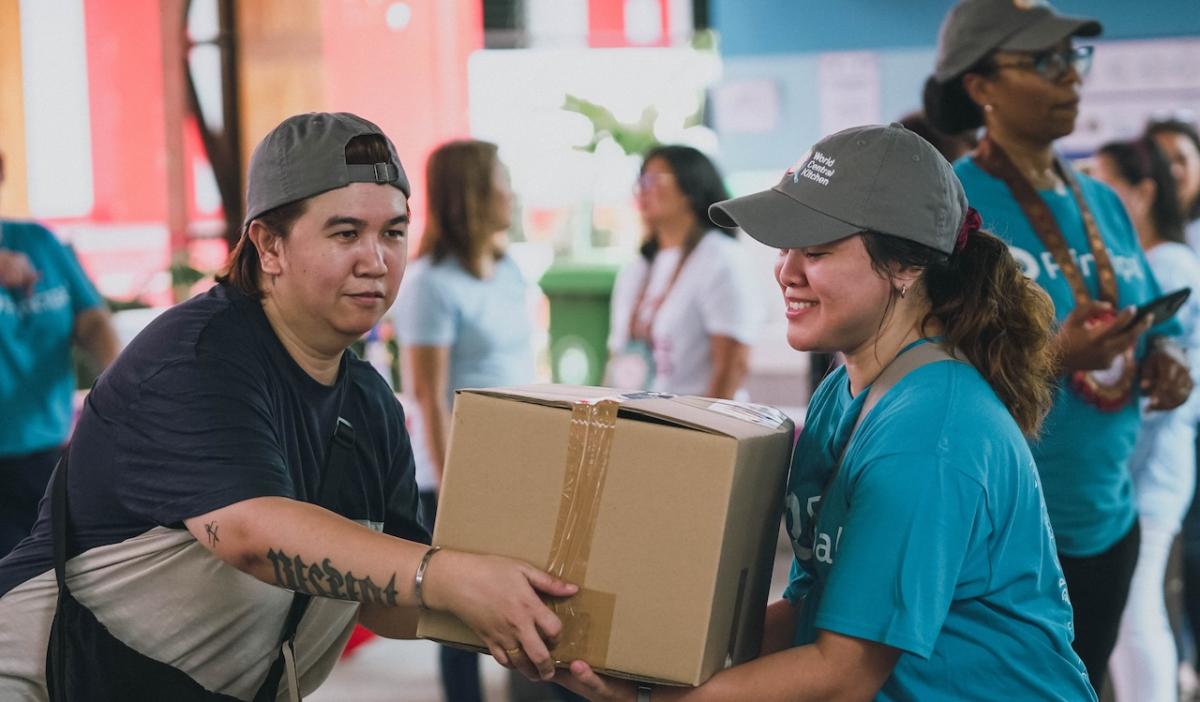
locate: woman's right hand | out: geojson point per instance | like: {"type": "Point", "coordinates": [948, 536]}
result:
{"type": "Point", "coordinates": [498, 598]}
{"type": "Point", "coordinates": [1087, 344]}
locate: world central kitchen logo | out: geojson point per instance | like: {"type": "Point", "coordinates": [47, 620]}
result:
{"type": "Point", "coordinates": [818, 168]}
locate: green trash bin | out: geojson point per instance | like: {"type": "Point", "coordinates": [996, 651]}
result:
{"type": "Point", "coordinates": [579, 295]}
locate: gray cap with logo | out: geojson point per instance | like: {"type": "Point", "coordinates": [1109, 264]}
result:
{"type": "Point", "coordinates": [976, 27]}
{"type": "Point", "coordinates": [875, 178]}
{"type": "Point", "coordinates": [306, 155]}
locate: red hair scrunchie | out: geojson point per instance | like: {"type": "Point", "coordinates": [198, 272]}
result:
{"type": "Point", "coordinates": [971, 224]}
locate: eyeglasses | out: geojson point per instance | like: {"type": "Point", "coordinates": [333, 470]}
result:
{"type": "Point", "coordinates": [652, 179]}
{"type": "Point", "coordinates": [1055, 64]}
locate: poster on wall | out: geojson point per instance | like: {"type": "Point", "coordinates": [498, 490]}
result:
{"type": "Point", "coordinates": [1131, 82]}
{"type": "Point", "coordinates": [849, 89]}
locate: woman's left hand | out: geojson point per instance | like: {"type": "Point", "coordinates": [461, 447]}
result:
{"type": "Point", "coordinates": [1165, 380]}
{"type": "Point", "coordinates": [582, 680]}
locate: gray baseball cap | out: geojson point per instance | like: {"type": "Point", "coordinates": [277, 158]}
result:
{"type": "Point", "coordinates": [975, 27]}
{"type": "Point", "coordinates": [306, 155]}
{"type": "Point", "coordinates": [875, 178]}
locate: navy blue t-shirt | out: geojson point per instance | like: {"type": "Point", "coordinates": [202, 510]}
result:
{"type": "Point", "coordinates": [206, 408]}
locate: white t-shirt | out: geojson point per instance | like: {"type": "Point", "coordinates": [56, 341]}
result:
{"type": "Point", "coordinates": [714, 295]}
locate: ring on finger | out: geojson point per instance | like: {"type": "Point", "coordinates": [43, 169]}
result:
{"type": "Point", "coordinates": [512, 652]}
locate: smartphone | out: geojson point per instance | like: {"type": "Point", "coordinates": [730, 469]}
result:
{"type": "Point", "coordinates": [1161, 308]}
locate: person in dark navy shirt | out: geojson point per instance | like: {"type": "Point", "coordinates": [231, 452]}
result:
{"type": "Point", "coordinates": [238, 473]}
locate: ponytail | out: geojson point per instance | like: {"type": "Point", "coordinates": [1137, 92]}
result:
{"type": "Point", "coordinates": [998, 319]}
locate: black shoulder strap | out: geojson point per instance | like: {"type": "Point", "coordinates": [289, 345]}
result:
{"type": "Point", "coordinates": [338, 461]}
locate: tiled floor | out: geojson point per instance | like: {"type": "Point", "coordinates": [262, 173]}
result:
{"type": "Point", "coordinates": [394, 671]}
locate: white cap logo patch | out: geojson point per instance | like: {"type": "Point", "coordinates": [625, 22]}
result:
{"type": "Point", "coordinates": [819, 169]}
{"type": "Point", "coordinates": [1029, 4]}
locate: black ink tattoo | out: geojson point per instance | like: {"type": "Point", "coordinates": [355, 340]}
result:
{"type": "Point", "coordinates": [324, 580]}
{"type": "Point", "coordinates": [211, 530]}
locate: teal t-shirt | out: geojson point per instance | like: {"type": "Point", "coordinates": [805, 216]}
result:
{"type": "Point", "coordinates": [933, 538]}
{"type": "Point", "coordinates": [1083, 452]}
{"type": "Point", "coordinates": [37, 374]}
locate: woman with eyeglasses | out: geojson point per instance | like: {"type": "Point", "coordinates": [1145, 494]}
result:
{"type": "Point", "coordinates": [1144, 663]}
{"type": "Point", "coordinates": [684, 313]}
{"type": "Point", "coordinates": [1011, 67]}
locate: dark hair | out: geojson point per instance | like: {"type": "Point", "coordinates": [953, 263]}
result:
{"type": "Point", "coordinates": [1139, 160]}
{"type": "Point", "coordinates": [1187, 130]}
{"type": "Point", "coordinates": [948, 106]}
{"type": "Point", "coordinates": [458, 181]}
{"type": "Point", "coordinates": [243, 268]}
{"type": "Point", "coordinates": [1001, 321]}
{"type": "Point", "coordinates": [699, 181]}
{"type": "Point", "coordinates": [950, 146]}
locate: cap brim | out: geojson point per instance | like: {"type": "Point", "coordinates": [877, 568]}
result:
{"type": "Point", "coordinates": [780, 221]}
{"type": "Point", "coordinates": [1050, 30]}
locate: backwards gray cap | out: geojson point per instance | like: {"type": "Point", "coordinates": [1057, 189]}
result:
{"type": "Point", "coordinates": [975, 27]}
{"type": "Point", "coordinates": [875, 178]}
{"type": "Point", "coordinates": [306, 155]}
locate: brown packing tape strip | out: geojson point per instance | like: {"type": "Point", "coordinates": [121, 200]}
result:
{"type": "Point", "coordinates": [587, 616]}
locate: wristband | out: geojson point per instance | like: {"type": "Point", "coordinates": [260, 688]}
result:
{"type": "Point", "coordinates": [419, 578]}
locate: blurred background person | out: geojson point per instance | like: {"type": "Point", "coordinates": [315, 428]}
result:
{"type": "Point", "coordinates": [1180, 141]}
{"type": "Point", "coordinates": [951, 146]}
{"type": "Point", "coordinates": [47, 306]}
{"type": "Point", "coordinates": [1013, 69]}
{"type": "Point", "coordinates": [684, 312]}
{"type": "Point", "coordinates": [463, 320]}
{"type": "Point", "coordinates": [1143, 664]}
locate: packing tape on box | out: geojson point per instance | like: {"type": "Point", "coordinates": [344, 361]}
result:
{"type": "Point", "coordinates": [587, 616]}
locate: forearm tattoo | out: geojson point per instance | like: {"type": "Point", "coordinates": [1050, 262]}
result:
{"type": "Point", "coordinates": [211, 530]}
{"type": "Point", "coordinates": [324, 580]}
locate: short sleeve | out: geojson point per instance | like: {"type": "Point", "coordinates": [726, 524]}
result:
{"type": "Point", "coordinates": [728, 306]}
{"type": "Point", "coordinates": [198, 437]}
{"type": "Point", "coordinates": [83, 293]}
{"type": "Point", "coordinates": [623, 299]}
{"type": "Point", "coordinates": [425, 313]}
{"type": "Point", "coordinates": [1172, 327]}
{"type": "Point", "coordinates": [900, 552]}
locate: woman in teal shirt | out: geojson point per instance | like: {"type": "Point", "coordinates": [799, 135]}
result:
{"type": "Point", "coordinates": [1012, 68]}
{"type": "Point", "coordinates": [925, 566]}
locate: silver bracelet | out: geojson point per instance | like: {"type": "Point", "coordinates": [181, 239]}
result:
{"type": "Point", "coordinates": [419, 578]}
{"type": "Point", "coordinates": [643, 693]}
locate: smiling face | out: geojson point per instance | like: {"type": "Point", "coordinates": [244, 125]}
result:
{"type": "Point", "coordinates": [834, 300]}
{"type": "Point", "coordinates": [337, 271]}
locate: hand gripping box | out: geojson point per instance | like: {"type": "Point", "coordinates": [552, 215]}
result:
{"type": "Point", "coordinates": [663, 509]}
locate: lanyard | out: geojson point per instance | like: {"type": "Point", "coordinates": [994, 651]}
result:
{"type": "Point", "coordinates": [992, 159]}
{"type": "Point", "coordinates": [638, 330]}
{"type": "Point", "coordinates": [1109, 390]}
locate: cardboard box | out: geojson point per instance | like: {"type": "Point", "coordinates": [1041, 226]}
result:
{"type": "Point", "coordinates": [664, 509]}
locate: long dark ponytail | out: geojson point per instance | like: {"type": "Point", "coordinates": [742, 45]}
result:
{"type": "Point", "coordinates": [1001, 321]}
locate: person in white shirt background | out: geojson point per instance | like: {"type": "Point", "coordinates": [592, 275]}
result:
{"type": "Point", "coordinates": [1143, 664]}
{"type": "Point", "coordinates": [684, 312]}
